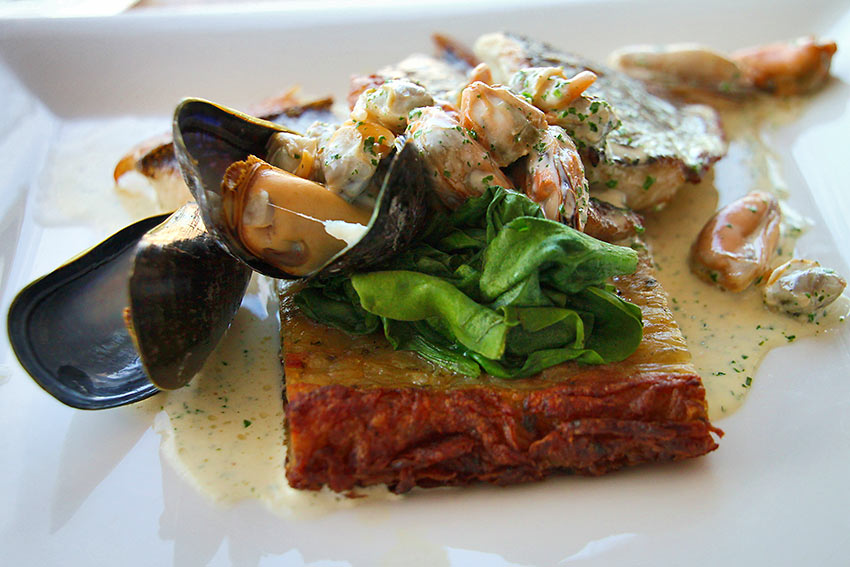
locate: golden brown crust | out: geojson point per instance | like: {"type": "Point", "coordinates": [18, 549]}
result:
{"type": "Point", "coordinates": [359, 413]}
{"type": "Point", "coordinates": [344, 436]}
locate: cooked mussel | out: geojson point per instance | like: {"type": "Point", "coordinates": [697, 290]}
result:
{"type": "Point", "coordinates": [138, 313]}
{"type": "Point", "coordinates": [142, 311]}
{"type": "Point", "coordinates": [279, 223]}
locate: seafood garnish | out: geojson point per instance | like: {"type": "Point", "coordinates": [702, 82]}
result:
{"type": "Point", "coordinates": [548, 88]}
{"type": "Point", "coordinates": [797, 67]}
{"type": "Point", "coordinates": [587, 119]}
{"type": "Point", "coordinates": [502, 122]}
{"type": "Point", "coordinates": [736, 245]}
{"type": "Point", "coordinates": [482, 73]}
{"type": "Point", "coordinates": [346, 158]}
{"type": "Point", "coordinates": [390, 103]}
{"type": "Point", "coordinates": [275, 221]}
{"type": "Point", "coordinates": [274, 214]}
{"type": "Point", "coordinates": [352, 154]}
{"type": "Point", "coordinates": [682, 68]}
{"type": "Point", "coordinates": [295, 153]}
{"type": "Point", "coordinates": [459, 165]}
{"type": "Point", "coordinates": [652, 149]}
{"type": "Point", "coordinates": [554, 178]}
{"type": "Point", "coordinates": [802, 286]}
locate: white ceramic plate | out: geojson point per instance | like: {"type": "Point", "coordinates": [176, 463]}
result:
{"type": "Point", "coordinates": [81, 488]}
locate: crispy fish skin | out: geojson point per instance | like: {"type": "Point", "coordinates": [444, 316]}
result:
{"type": "Point", "coordinates": [359, 413]}
{"type": "Point", "coordinates": [657, 147]}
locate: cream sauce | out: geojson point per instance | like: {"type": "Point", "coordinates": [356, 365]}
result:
{"type": "Point", "coordinates": [729, 334]}
{"type": "Point", "coordinates": [348, 232]}
{"type": "Point", "coordinates": [224, 431]}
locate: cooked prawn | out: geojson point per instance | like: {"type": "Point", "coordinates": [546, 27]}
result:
{"type": "Point", "coordinates": [554, 178]}
{"type": "Point", "coordinates": [785, 68]}
{"type": "Point", "coordinates": [503, 123]}
{"type": "Point", "coordinates": [460, 166]}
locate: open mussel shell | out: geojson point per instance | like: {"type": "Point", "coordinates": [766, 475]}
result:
{"type": "Point", "coordinates": [184, 291]}
{"type": "Point", "coordinates": [138, 313]}
{"type": "Point", "coordinates": [209, 138]}
{"type": "Point", "coordinates": [403, 209]}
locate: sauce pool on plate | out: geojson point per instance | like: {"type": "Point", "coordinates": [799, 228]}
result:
{"type": "Point", "coordinates": [729, 333]}
{"type": "Point", "coordinates": [224, 431]}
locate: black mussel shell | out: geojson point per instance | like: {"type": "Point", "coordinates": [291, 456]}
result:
{"type": "Point", "coordinates": [184, 291]}
{"type": "Point", "coordinates": [299, 117]}
{"type": "Point", "coordinates": [164, 277]}
{"type": "Point", "coordinates": [403, 209]}
{"type": "Point", "coordinates": [209, 138]}
{"type": "Point", "coordinates": [67, 328]}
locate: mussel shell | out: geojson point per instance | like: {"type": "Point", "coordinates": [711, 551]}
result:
{"type": "Point", "coordinates": [184, 291]}
{"type": "Point", "coordinates": [403, 209]}
{"type": "Point", "coordinates": [67, 328]}
{"type": "Point", "coordinates": [165, 277]}
{"type": "Point", "coordinates": [209, 138]}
